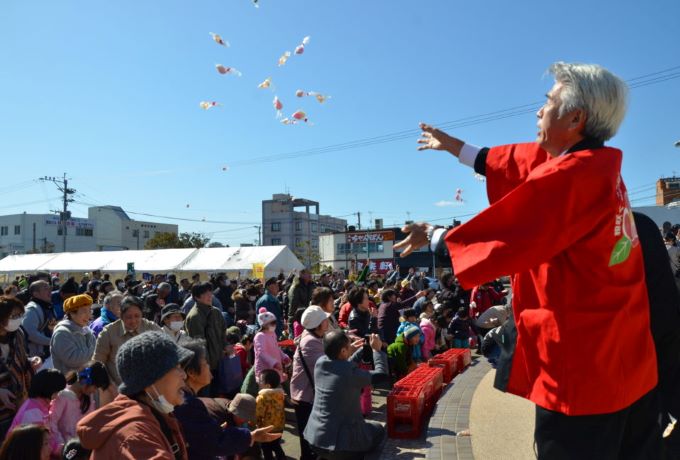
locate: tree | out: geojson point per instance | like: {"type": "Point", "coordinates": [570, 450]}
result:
{"type": "Point", "coordinates": [217, 244]}
{"type": "Point", "coordinates": [167, 240]}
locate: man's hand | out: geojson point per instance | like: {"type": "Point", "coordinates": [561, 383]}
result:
{"type": "Point", "coordinates": [7, 399]}
{"type": "Point", "coordinates": [36, 362]}
{"type": "Point", "coordinates": [432, 138]}
{"type": "Point", "coordinates": [376, 343]}
{"type": "Point", "coordinates": [264, 435]}
{"type": "Point", "coordinates": [416, 239]}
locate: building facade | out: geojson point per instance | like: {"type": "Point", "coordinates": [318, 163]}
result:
{"type": "Point", "coordinates": [296, 223]}
{"type": "Point", "coordinates": [106, 228]}
{"type": "Point", "coordinates": [667, 190]}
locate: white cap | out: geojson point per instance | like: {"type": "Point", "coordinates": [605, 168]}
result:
{"type": "Point", "coordinates": [313, 316]}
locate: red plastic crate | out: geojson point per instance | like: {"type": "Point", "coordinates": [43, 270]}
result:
{"type": "Point", "coordinates": [405, 410]}
{"type": "Point", "coordinates": [429, 380]}
{"type": "Point", "coordinates": [448, 364]}
{"type": "Point", "coordinates": [463, 356]}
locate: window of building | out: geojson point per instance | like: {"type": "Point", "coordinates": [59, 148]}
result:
{"type": "Point", "coordinates": [4, 230]}
{"type": "Point", "coordinates": [315, 244]}
{"type": "Point", "coordinates": [276, 226]}
{"type": "Point", "coordinates": [314, 227]}
{"type": "Point", "coordinates": [298, 242]}
{"type": "Point", "coordinates": [276, 241]}
{"type": "Point", "coordinates": [84, 231]}
{"type": "Point", "coordinates": [298, 226]}
{"type": "Point", "coordinates": [17, 229]}
{"type": "Point", "coordinates": [146, 233]}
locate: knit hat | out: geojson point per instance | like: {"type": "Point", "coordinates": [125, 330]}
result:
{"type": "Point", "coordinates": [144, 359]}
{"type": "Point", "coordinates": [75, 302]}
{"type": "Point", "coordinates": [243, 406]}
{"type": "Point", "coordinates": [265, 317]}
{"type": "Point", "coordinates": [404, 283]}
{"type": "Point", "coordinates": [313, 317]}
{"type": "Point", "coordinates": [171, 309]}
{"type": "Point", "coordinates": [411, 331]}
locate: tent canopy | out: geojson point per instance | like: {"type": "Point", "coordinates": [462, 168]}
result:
{"type": "Point", "coordinates": [274, 259]}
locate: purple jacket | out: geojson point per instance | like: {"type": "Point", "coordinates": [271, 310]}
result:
{"type": "Point", "coordinates": [310, 349]}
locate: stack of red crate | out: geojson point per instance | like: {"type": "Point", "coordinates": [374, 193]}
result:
{"type": "Point", "coordinates": [464, 357]}
{"type": "Point", "coordinates": [405, 410]}
{"type": "Point", "coordinates": [448, 363]}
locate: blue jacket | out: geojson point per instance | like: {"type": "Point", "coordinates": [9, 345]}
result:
{"type": "Point", "coordinates": [272, 305]}
{"type": "Point", "coordinates": [417, 353]}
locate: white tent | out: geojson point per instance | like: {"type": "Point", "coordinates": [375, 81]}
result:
{"type": "Point", "coordinates": [229, 260]}
{"type": "Point", "coordinates": [241, 260]}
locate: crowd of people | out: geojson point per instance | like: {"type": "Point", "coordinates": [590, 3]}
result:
{"type": "Point", "coordinates": [205, 369]}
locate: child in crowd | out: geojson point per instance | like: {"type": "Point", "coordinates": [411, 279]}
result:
{"type": "Point", "coordinates": [297, 323]}
{"type": "Point", "coordinates": [268, 355]}
{"type": "Point", "coordinates": [242, 350]}
{"type": "Point", "coordinates": [429, 331]}
{"type": "Point", "coordinates": [460, 328]}
{"type": "Point", "coordinates": [74, 451]}
{"type": "Point", "coordinates": [76, 400]}
{"type": "Point", "coordinates": [270, 411]}
{"type": "Point", "coordinates": [400, 353]}
{"type": "Point", "coordinates": [45, 386]}
{"type": "Point", "coordinates": [230, 373]}
{"type": "Point", "coordinates": [411, 319]}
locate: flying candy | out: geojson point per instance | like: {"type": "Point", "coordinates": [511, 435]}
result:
{"type": "Point", "coordinates": [459, 195]}
{"type": "Point", "coordinates": [225, 168]}
{"type": "Point", "coordinates": [256, 4]}
{"type": "Point", "coordinates": [188, 205]}
{"type": "Point", "coordinates": [218, 39]}
{"type": "Point", "coordinates": [319, 97]}
{"type": "Point", "coordinates": [265, 84]}
{"type": "Point", "coordinates": [278, 105]}
{"type": "Point", "coordinates": [205, 105]}
{"type": "Point", "coordinates": [296, 118]}
{"type": "Point", "coordinates": [480, 178]}
{"type": "Point", "coordinates": [227, 70]}
{"type": "Point", "coordinates": [301, 47]}
{"type": "Point", "coordinates": [284, 57]}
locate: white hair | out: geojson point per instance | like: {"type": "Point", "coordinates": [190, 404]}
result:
{"type": "Point", "coordinates": [110, 296]}
{"type": "Point", "coordinates": [597, 91]}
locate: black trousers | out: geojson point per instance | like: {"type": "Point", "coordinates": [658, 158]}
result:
{"type": "Point", "coordinates": [273, 450]}
{"type": "Point", "coordinates": [302, 412]}
{"type": "Point", "coordinates": [632, 433]}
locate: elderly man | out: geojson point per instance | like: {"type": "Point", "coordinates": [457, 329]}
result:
{"type": "Point", "coordinates": [40, 319]}
{"type": "Point", "coordinates": [560, 223]}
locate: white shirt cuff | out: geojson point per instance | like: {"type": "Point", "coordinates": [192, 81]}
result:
{"type": "Point", "coordinates": [437, 235]}
{"type": "Point", "coordinates": [468, 154]}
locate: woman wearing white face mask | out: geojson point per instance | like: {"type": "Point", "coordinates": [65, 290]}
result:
{"type": "Point", "coordinates": [138, 423]}
{"type": "Point", "coordinates": [172, 319]}
{"type": "Point", "coordinates": [268, 354]}
{"type": "Point", "coordinates": [16, 370]}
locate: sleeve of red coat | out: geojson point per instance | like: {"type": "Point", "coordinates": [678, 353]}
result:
{"type": "Point", "coordinates": [558, 203]}
{"type": "Point", "coordinates": [508, 166]}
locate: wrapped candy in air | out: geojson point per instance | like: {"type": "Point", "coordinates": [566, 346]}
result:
{"type": "Point", "coordinates": [267, 83]}
{"type": "Point", "coordinates": [224, 70]}
{"type": "Point", "coordinates": [205, 105]}
{"type": "Point", "coordinates": [219, 39]}
{"type": "Point", "coordinates": [284, 58]}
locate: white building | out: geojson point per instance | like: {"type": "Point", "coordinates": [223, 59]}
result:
{"type": "Point", "coordinates": [342, 250]}
{"type": "Point", "coordinates": [106, 228]}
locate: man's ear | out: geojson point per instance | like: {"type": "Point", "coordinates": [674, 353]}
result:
{"type": "Point", "coordinates": [578, 120]}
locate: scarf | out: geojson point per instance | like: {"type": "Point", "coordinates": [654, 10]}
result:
{"type": "Point", "coordinates": [107, 316]}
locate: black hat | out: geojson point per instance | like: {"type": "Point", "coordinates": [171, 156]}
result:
{"type": "Point", "coordinates": [170, 309]}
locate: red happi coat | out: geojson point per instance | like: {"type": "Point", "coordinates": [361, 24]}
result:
{"type": "Point", "coordinates": [564, 229]}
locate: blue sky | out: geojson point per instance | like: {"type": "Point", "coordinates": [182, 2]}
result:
{"type": "Point", "coordinates": [108, 92]}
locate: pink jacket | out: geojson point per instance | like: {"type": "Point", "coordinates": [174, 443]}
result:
{"type": "Point", "coordinates": [65, 414]}
{"type": "Point", "coordinates": [429, 332]}
{"type": "Point", "coordinates": [268, 355]}
{"type": "Point", "coordinates": [35, 411]}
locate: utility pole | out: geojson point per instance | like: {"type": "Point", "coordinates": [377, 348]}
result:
{"type": "Point", "coordinates": [358, 221]}
{"type": "Point", "coordinates": [65, 214]}
{"type": "Point", "coordinates": [259, 234]}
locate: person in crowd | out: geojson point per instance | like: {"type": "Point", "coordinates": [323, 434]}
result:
{"type": "Point", "coordinates": [76, 400]}
{"type": "Point", "coordinates": [73, 450]}
{"type": "Point", "coordinates": [154, 302]}
{"type": "Point", "coordinates": [362, 318]}
{"type": "Point", "coordinates": [400, 352]}
{"type": "Point", "coordinates": [40, 319]}
{"type": "Point", "coordinates": [72, 343]}
{"type": "Point", "coordinates": [389, 313]}
{"type": "Point", "coordinates": [299, 294]}
{"type": "Point", "coordinates": [316, 322]}
{"type": "Point", "coordinates": [230, 374]}
{"type": "Point", "coordinates": [172, 319]}
{"type": "Point", "coordinates": [270, 412]}
{"type": "Point", "coordinates": [110, 312]}
{"type": "Point", "coordinates": [324, 298]}
{"type": "Point", "coordinates": [459, 328]}
{"type": "Point", "coordinates": [113, 336]}
{"type": "Point", "coordinates": [407, 292]}
{"type": "Point", "coordinates": [242, 350]}
{"type": "Point", "coordinates": [223, 291]}
{"type": "Point", "coordinates": [201, 419]}
{"type": "Point", "coordinates": [268, 355]}
{"type": "Point", "coordinates": [297, 323]}
{"type": "Point", "coordinates": [11, 291]}
{"type": "Point", "coordinates": [28, 442]}
{"type": "Point", "coordinates": [63, 292]}
{"type": "Point", "coordinates": [272, 304]}
{"type": "Point", "coordinates": [184, 291]}
{"type": "Point", "coordinates": [422, 300]}
{"type": "Point", "coordinates": [139, 423]}
{"type": "Point", "coordinates": [411, 319]}
{"type": "Point", "coordinates": [429, 331]}
{"type": "Point", "coordinates": [45, 386]}
{"type": "Point", "coordinates": [15, 366]}
{"type": "Point", "coordinates": [674, 255]}
{"type": "Point", "coordinates": [484, 296]}
{"type": "Point", "coordinates": [493, 317]}
{"type": "Point", "coordinates": [206, 322]}
{"type": "Point", "coordinates": [243, 308]}
{"type": "Point", "coordinates": [336, 425]}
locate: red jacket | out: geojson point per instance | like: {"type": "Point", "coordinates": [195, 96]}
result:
{"type": "Point", "coordinates": [563, 227]}
{"type": "Point", "coordinates": [484, 299]}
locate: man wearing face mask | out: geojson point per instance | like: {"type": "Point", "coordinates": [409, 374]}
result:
{"type": "Point", "coordinates": [271, 303]}
{"type": "Point", "coordinates": [172, 319]}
